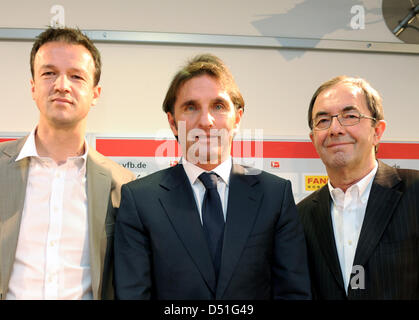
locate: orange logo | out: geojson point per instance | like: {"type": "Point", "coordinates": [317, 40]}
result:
{"type": "Point", "coordinates": [315, 182]}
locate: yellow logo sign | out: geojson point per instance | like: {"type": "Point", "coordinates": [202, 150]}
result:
{"type": "Point", "coordinates": [315, 182]}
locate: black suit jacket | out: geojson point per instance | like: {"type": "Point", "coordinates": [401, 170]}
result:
{"type": "Point", "coordinates": [387, 246]}
{"type": "Point", "coordinates": [161, 251]}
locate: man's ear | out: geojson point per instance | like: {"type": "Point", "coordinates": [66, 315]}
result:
{"type": "Point", "coordinates": [311, 136]}
{"type": "Point", "coordinates": [239, 114]}
{"type": "Point", "coordinates": [96, 94]}
{"type": "Point", "coordinates": [379, 129]}
{"type": "Point", "coordinates": [32, 88]}
{"type": "Point", "coordinates": [172, 122]}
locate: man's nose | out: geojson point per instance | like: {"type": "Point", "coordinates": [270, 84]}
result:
{"type": "Point", "coordinates": [335, 126]}
{"type": "Point", "coordinates": [206, 119]}
{"type": "Point", "coordinates": [62, 83]}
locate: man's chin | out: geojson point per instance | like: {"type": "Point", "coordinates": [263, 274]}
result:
{"type": "Point", "coordinates": [339, 160]}
{"type": "Point", "coordinates": [62, 122]}
{"type": "Point", "coordinates": [204, 159]}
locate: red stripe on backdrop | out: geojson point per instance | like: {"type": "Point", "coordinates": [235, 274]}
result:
{"type": "Point", "coordinates": [392, 150]}
{"type": "Point", "coordinates": [288, 149]}
{"type": "Point", "coordinates": [137, 147]}
{"type": "Point", "coordinates": [271, 149]}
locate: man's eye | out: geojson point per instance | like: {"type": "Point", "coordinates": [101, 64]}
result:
{"type": "Point", "coordinates": [47, 73]}
{"type": "Point", "coordinates": [76, 76]}
{"type": "Point", "coordinates": [219, 107]}
{"type": "Point", "coordinates": [350, 115]}
{"type": "Point", "coordinates": [190, 108]}
{"type": "Point", "coordinates": [323, 120]}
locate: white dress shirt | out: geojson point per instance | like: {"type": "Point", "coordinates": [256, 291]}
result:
{"type": "Point", "coordinates": [52, 255]}
{"type": "Point", "coordinates": [348, 211]}
{"type": "Point", "coordinates": [222, 170]}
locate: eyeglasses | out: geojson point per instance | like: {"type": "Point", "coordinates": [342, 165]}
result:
{"type": "Point", "coordinates": [345, 118]}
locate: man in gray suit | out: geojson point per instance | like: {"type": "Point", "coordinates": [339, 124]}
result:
{"type": "Point", "coordinates": [362, 227]}
{"type": "Point", "coordinates": [58, 196]}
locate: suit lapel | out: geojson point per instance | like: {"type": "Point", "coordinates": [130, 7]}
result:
{"type": "Point", "coordinates": [382, 202]}
{"type": "Point", "coordinates": [13, 180]}
{"type": "Point", "coordinates": [99, 182]}
{"type": "Point", "coordinates": [324, 232]}
{"type": "Point", "coordinates": [244, 200]}
{"type": "Point", "coordinates": [179, 204]}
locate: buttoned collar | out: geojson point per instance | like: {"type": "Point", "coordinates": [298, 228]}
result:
{"type": "Point", "coordinates": [362, 188]}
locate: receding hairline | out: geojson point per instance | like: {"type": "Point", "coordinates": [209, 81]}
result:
{"type": "Point", "coordinates": [358, 89]}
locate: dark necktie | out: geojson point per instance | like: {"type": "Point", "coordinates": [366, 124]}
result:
{"type": "Point", "coordinates": [212, 218]}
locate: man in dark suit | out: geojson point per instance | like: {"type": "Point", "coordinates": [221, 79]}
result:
{"type": "Point", "coordinates": [207, 228]}
{"type": "Point", "coordinates": [362, 227]}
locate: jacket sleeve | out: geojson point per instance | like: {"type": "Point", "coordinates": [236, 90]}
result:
{"type": "Point", "coordinates": [290, 270]}
{"type": "Point", "coordinates": [132, 251]}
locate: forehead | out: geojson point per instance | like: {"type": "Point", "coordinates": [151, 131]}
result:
{"type": "Point", "coordinates": [202, 87]}
{"type": "Point", "coordinates": [59, 53]}
{"type": "Point", "coordinates": [334, 99]}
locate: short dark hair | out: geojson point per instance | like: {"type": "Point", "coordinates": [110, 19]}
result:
{"type": "Point", "coordinates": [205, 64]}
{"type": "Point", "coordinates": [374, 101]}
{"type": "Point", "coordinates": [70, 36]}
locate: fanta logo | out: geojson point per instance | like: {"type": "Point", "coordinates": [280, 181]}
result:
{"type": "Point", "coordinates": [315, 182]}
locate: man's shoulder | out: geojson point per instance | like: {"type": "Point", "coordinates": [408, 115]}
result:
{"type": "Point", "coordinates": [410, 175]}
{"type": "Point", "coordinates": [12, 145]}
{"type": "Point", "coordinates": [410, 179]}
{"type": "Point", "coordinates": [259, 175]}
{"type": "Point", "coordinates": [306, 205]}
{"type": "Point", "coordinates": [387, 176]}
{"type": "Point", "coordinates": [117, 171]}
{"type": "Point", "coordinates": [151, 181]}
{"type": "Point", "coordinates": [6, 144]}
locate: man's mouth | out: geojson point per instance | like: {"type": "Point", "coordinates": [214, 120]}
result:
{"type": "Point", "coordinates": [338, 144]}
{"type": "Point", "coordinates": [62, 100]}
{"type": "Point", "coordinates": [206, 138]}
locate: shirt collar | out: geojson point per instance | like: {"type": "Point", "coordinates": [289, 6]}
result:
{"type": "Point", "coordinates": [363, 186]}
{"type": "Point", "coordinates": [222, 170]}
{"type": "Point", "coordinates": [29, 148]}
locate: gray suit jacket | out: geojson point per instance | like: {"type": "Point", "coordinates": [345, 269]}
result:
{"type": "Point", "coordinates": [104, 180]}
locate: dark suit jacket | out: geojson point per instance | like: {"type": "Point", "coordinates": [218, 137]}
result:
{"type": "Point", "coordinates": [388, 243]}
{"type": "Point", "coordinates": [161, 251]}
{"type": "Point", "coordinates": [104, 180]}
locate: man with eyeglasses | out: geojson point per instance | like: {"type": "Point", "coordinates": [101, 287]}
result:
{"type": "Point", "coordinates": [362, 227]}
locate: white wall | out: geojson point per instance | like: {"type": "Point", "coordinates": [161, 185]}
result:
{"type": "Point", "coordinates": [276, 84]}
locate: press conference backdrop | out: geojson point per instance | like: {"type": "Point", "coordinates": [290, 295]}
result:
{"type": "Point", "coordinates": [278, 51]}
